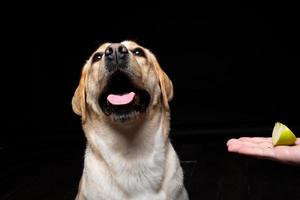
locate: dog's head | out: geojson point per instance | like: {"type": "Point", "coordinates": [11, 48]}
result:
{"type": "Point", "coordinates": [121, 82]}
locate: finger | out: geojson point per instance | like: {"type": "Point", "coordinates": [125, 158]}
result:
{"type": "Point", "coordinates": [259, 152]}
{"type": "Point", "coordinates": [256, 139]}
{"type": "Point", "coordinates": [231, 141]}
{"type": "Point", "coordinates": [234, 147]}
{"type": "Point", "coordinates": [235, 144]}
{"type": "Point", "coordinates": [265, 144]}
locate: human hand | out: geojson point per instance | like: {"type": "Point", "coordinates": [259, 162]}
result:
{"type": "Point", "coordinates": [263, 148]}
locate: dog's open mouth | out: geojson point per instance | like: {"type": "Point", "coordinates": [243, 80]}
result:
{"type": "Point", "coordinates": [122, 99]}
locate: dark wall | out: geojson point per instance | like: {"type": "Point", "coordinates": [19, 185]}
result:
{"type": "Point", "coordinates": [234, 66]}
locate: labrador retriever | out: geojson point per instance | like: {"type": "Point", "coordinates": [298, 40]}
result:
{"type": "Point", "coordinates": [123, 100]}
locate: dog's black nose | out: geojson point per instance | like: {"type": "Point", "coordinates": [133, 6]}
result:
{"type": "Point", "coordinates": [116, 50]}
{"type": "Point", "coordinates": [116, 56]}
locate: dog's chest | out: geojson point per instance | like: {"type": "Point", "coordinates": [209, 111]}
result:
{"type": "Point", "coordinates": [123, 179]}
{"type": "Point", "coordinates": [129, 168]}
{"type": "Point", "coordinates": [141, 176]}
{"type": "Point", "coordinates": [128, 178]}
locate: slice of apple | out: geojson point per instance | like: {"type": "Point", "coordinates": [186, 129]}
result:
{"type": "Point", "coordinates": [282, 135]}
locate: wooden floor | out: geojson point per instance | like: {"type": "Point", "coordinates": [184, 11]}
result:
{"type": "Point", "coordinates": [49, 168]}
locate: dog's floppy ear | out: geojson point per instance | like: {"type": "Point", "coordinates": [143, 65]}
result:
{"type": "Point", "coordinates": [78, 100]}
{"type": "Point", "coordinates": [166, 84]}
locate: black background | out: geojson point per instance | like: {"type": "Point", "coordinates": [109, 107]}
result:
{"type": "Point", "coordinates": [233, 65]}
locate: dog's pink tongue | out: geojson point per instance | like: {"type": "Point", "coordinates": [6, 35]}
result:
{"type": "Point", "coordinates": [124, 99]}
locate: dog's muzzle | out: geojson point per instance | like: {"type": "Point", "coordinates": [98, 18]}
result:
{"type": "Point", "coordinates": [121, 98]}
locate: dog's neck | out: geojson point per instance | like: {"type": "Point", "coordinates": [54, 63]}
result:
{"type": "Point", "coordinates": [128, 140]}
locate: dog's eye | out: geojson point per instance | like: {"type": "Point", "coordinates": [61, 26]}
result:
{"type": "Point", "coordinates": [138, 52]}
{"type": "Point", "coordinates": [97, 57]}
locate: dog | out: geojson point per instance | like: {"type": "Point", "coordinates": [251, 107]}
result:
{"type": "Point", "coordinates": [123, 100]}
